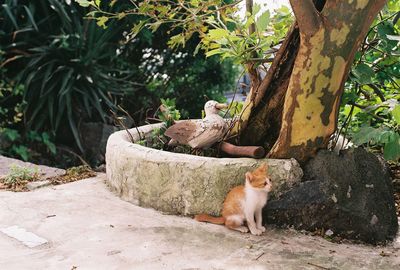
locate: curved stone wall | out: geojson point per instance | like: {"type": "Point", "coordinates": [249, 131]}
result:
{"type": "Point", "coordinates": [179, 183]}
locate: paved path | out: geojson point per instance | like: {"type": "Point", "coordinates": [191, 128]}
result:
{"type": "Point", "coordinates": [88, 227]}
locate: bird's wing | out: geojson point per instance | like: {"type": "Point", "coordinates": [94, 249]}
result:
{"type": "Point", "coordinates": [211, 133]}
{"type": "Point", "coordinates": [183, 131]}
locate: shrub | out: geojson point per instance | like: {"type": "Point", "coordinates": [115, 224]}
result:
{"type": "Point", "coordinates": [66, 64]}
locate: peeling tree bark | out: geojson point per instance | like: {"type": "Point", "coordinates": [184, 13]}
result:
{"type": "Point", "coordinates": [262, 115]}
{"type": "Point", "coordinates": [320, 70]}
{"type": "Point", "coordinates": [308, 86]}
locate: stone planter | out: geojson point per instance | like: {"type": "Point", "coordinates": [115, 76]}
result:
{"type": "Point", "coordinates": [179, 183]}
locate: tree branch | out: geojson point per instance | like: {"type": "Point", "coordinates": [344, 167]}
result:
{"type": "Point", "coordinates": [377, 91]}
{"type": "Point", "coordinates": [249, 9]}
{"type": "Point", "coordinates": [306, 15]}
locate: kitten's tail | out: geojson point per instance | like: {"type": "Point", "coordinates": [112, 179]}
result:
{"type": "Point", "coordinates": [210, 219]}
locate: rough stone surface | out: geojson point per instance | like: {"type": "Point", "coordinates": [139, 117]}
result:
{"type": "Point", "coordinates": [39, 184]}
{"type": "Point", "coordinates": [88, 227]}
{"type": "Point", "coordinates": [183, 184]}
{"type": "Point", "coordinates": [45, 171]}
{"type": "Point", "coordinates": [350, 194]}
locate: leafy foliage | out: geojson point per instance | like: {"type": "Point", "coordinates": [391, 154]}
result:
{"type": "Point", "coordinates": [370, 104]}
{"type": "Point", "coordinates": [180, 75]}
{"type": "Point", "coordinates": [167, 114]}
{"type": "Point", "coordinates": [63, 70]}
{"type": "Point", "coordinates": [12, 141]}
{"type": "Point", "coordinates": [67, 65]}
{"type": "Point", "coordinates": [216, 22]}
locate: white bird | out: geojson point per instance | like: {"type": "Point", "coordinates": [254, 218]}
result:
{"type": "Point", "coordinates": [200, 134]}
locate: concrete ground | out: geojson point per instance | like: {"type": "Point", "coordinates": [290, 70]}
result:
{"type": "Point", "coordinates": [88, 227]}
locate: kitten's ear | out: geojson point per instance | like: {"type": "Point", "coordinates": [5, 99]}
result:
{"type": "Point", "coordinates": [249, 177]}
{"type": "Point", "coordinates": [263, 167]}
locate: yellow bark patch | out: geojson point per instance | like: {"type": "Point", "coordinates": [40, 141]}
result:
{"type": "Point", "coordinates": [361, 4]}
{"type": "Point", "coordinates": [311, 79]}
{"type": "Point", "coordinates": [339, 36]}
{"type": "Point", "coordinates": [338, 70]}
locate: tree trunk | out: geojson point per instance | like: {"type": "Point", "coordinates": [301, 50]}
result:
{"type": "Point", "coordinates": [328, 42]}
{"type": "Point", "coordinates": [262, 115]}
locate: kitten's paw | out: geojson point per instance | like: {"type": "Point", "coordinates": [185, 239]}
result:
{"type": "Point", "coordinates": [256, 232]}
{"type": "Point", "coordinates": [243, 229]}
{"type": "Point", "coordinates": [261, 228]}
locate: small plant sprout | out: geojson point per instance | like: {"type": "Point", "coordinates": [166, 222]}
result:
{"type": "Point", "coordinates": [19, 176]}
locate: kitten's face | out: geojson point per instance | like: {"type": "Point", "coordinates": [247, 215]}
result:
{"type": "Point", "coordinates": [259, 178]}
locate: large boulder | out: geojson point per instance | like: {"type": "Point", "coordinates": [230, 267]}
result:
{"type": "Point", "coordinates": [350, 194]}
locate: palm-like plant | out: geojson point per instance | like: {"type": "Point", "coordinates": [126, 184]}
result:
{"type": "Point", "coordinates": [68, 65]}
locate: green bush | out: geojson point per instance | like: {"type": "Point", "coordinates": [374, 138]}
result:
{"type": "Point", "coordinates": [67, 65]}
{"type": "Point", "coordinates": [63, 70]}
{"type": "Point", "coordinates": [370, 110]}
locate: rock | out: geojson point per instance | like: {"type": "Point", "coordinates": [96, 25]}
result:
{"type": "Point", "coordinates": [38, 184]}
{"type": "Point", "coordinates": [329, 233]}
{"type": "Point", "coordinates": [183, 184]}
{"type": "Point", "coordinates": [350, 194]}
{"type": "Point", "coordinates": [94, 140]}
{"type": "Point", "coordinates": [45, 171]}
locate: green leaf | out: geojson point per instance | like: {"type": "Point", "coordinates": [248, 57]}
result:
{"type": "Point", "coordinates": [256, 9]}
{"type": "Point", "coordinates": [177, 40]}
{"type": "Point", "coordinates": [365, 135]}
{"type": "Point", "coordinates": [263, 21]}
{"type": "Point", "coordinates": [48, 143]}
{"type": "Point", "coordinates": [11, 134]}
{"type": "Point", "coordinates": [101, 21]}
{"type": "Point", "coordinates": [194, 3]}
{"type": "Point", "coordinates": [84, 3]}
{"type": "Point", "coordinates": [21, 151]}
{"type": "Point", "coordinates": [137, 28]}
{"type": "Point", "coordinates": [112, 3]}
{"type": "Point", "coordinates": [155, 26]}
{"type": "Point", "coordinates": [214, 52]}
{"type": "Point", "coordinates": [31, 19]}
{"type": "Point", "coordinates": [219, 33]}
{"type": "Point", "coordinates": [363, 73]}
{"type": "Point", "coordinates": [391, 150]}
{"type": "Point", "coordinates": [249, 21]}
{"type": "Point", "coordinates": [396, 114]}
{"type": "Point", "coordinates": [385, 29]}
{"type": "Point", "coordinates": [72, 124]}
{"type": "Point", "coordinates": [10, 15]}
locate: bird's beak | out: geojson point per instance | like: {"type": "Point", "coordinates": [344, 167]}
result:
{"type": "Point", "coordinates": [221, 106]}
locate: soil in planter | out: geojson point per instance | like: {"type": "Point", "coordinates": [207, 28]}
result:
{"type": "Point", "coordinates": [157, 140]}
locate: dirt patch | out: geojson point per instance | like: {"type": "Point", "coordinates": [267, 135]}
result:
{"type": "Point", "coordinates": [73, 174]}
{"type": "Point", "coordinates": [19, 177]}
{"type": "Point", "coordinates": [157, 140]}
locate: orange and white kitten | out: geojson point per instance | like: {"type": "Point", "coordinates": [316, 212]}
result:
{"type": "Point", "coordinates": [244, 203]}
